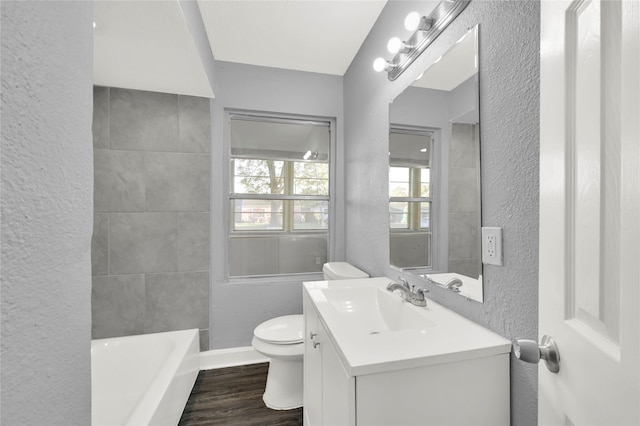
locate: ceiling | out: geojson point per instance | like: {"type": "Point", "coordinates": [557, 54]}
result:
{"type": "Point", "coordinates": [148, 44]}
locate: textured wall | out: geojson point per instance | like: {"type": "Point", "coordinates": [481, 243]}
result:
{"type": "Point", "coordinates": [46, 212]}
{"type": "Point", "coordinates": [509, 80]}
{"type": "Point", "coordinates": [238, 306]}
{"type": "Point", "coordinates": [150, 248]}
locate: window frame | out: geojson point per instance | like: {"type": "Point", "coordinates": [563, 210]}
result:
{"type": "Point", "coordinates": [229, 230]}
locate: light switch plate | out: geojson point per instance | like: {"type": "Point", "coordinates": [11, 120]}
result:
{"type": "Point", "coordinates": [492, 246]}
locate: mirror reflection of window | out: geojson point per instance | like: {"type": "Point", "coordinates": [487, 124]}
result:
{"type": "Point", "coordinates": [410, 202]}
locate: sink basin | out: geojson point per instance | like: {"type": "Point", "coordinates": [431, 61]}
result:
{"type": "Point", "coordinates": [374, 310]}
{"type": "Point", "coordinates": [375, 331]}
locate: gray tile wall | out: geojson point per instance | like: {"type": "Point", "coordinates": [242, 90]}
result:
{"type": "Point", "coordinates": [151, 238]}
{"type": "Point", "coordinates": [464, 201]}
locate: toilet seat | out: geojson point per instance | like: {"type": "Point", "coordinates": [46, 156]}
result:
{"type": "Point", "coordinates": [286, 330]}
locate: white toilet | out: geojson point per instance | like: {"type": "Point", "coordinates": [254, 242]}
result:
{"type": "Point", "coordinates": [282, 340]}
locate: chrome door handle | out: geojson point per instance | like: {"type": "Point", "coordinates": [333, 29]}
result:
{"type": "Point", "coordinates": [528, 350]}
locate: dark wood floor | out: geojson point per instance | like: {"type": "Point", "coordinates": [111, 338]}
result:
{"type": "Point", "coordinates": [233, 396]}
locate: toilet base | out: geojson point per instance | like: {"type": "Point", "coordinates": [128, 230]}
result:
{"type": "Point", "coordinates": [284, 384]}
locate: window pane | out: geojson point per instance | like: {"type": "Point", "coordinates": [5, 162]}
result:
{"type": "Point", "coordinates": [310, 178]}
{"type": "Point", "coordinates": [398, 215]}
{"type": "Point", "coordinates": [258, 176]}
{"type": "Point", "coordinates": [279, 139]}
{"type": "Point", "coordinates": [249, 215]}
{"type": "Point", "coordinates": [310, 215]}
{"type": "Point", "coordinates": [399, 181]}
{"type": "Point", "coordinates": [260, 255]}
{"type": "Point", "coordinates": [425, 182]}
{"type": "Point", "coordinates": [425, 215]}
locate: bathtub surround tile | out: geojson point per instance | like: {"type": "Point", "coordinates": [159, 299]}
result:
{"type": "Point", "coordinates": [176, 301]}
{"type": "Point", "coordinates": [177, 182]}
{"type": "Point", "coordinates": [468, 267]}
{"type": "Point", "coordinates": [100, 245]}
{"type": "Point", "coordinates": [464, 150]}
{"type": "Point", "coordinates": [194, 124]}
{"type": "Point", "coordinates": [140, 120]}
{"type": "Point", "coordinates": [464, 238]}
{"type": "Point", "coordinates": [193, 241]}
{"type": "Point", "coordinates": [152, 213]}
{"type": "Point", "coordinates": [118, 181]}
{"type": "Point", "coordinates": [143, 242]}
{"type": "Point", "coordinates": [463, 190]}
{"type": "Point", "coordinates": [117, 306]}
{"type": "Point", "coordinates": [100, 126]}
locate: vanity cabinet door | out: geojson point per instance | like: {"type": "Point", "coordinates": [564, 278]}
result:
{"type": "Point", "coordinates": [312, 368]}
{"type": "Point", "coordinates": [338, 389]}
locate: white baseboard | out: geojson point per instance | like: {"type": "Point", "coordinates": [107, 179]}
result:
{"type": "Point", "coordinates": [231, 357]}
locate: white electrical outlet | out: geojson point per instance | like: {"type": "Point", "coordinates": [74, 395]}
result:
{"type": "Point", "coordinates": [492, 246]}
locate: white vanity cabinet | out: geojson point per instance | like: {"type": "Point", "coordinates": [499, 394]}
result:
{"type": "Point", "coordinates": [354, 377]}
{"type": "Point", "coordinates": [329, 392]}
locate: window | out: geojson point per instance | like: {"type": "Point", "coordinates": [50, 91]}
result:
{"type": "Point", "coordinates": [410, 196]}
{"type": "Point", "coordinates": [279, 196]}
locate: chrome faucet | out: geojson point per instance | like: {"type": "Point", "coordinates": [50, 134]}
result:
{"type": "Point", "coordinates": [409, 293]}
{"type": "Point", "coordinates": [453, 284]}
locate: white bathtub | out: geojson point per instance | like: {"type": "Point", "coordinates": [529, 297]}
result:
{"type": "Point", "coordinates": [143, 380]}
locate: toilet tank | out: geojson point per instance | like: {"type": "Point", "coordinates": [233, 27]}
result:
{"type": "Point", "coordinates": [342, 271]}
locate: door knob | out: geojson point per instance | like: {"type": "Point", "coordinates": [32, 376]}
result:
{"type": "Point", "coordinates": [529, 351]}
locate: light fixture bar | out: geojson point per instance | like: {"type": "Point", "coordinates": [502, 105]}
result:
{"type": "Point", "coordinates": [445, 12]}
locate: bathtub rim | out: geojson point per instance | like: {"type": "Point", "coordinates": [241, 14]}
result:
{"type": "Point", "coordinates": [185, 356]}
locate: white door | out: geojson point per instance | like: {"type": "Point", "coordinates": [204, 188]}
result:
{"type": "Point", "coordinates": [590, 211]}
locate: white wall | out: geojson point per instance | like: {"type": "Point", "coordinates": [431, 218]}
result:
{"type": "Point", "coordinates": [47, 206]}
{"type": "Point", "coordinates": [237, 307]}
{"type": "Point", "coordinates": [509, 90]}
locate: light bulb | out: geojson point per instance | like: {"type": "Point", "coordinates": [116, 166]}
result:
{"type": "Point", "coordinates": [412, 21]}
{"type": "Point", "coordinates": [380, 64]}
{"type": "Point", "coordinates": [394, 45]}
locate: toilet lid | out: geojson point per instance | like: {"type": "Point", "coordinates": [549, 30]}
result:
{"type": "Point", "coordinates": [282, 330]}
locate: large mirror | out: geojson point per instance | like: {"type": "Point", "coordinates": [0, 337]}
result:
{"type": "Point", "coordinates": [434, 173]}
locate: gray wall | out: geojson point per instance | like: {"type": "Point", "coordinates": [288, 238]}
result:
{"type": "Point", "coordinates": [509, 80]}
{"type": "Point", "coordinates": [47, 204]}
{"type": "Point", "coordinates": [150, 248]}
{"type": "Point", "coordinates": [238, 306]}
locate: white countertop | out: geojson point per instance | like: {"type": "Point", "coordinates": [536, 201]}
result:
{"type": "Point", "coordinates": [447, 336]}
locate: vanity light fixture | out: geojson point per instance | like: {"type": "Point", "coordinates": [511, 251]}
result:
{"type": "Point", "coordinates": [414, 22]}
{"type": "Point", "coordinates": [395, 45]}
{"type": "Point", "coordinates": [381, 64]}
{"type": "Point", "coordinates": [425, 30]}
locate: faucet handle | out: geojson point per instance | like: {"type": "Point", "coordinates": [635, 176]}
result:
{"type": "Point", "coordinates": [422, 291]}
{"type": "Point", "coordinates": [404, 282]}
